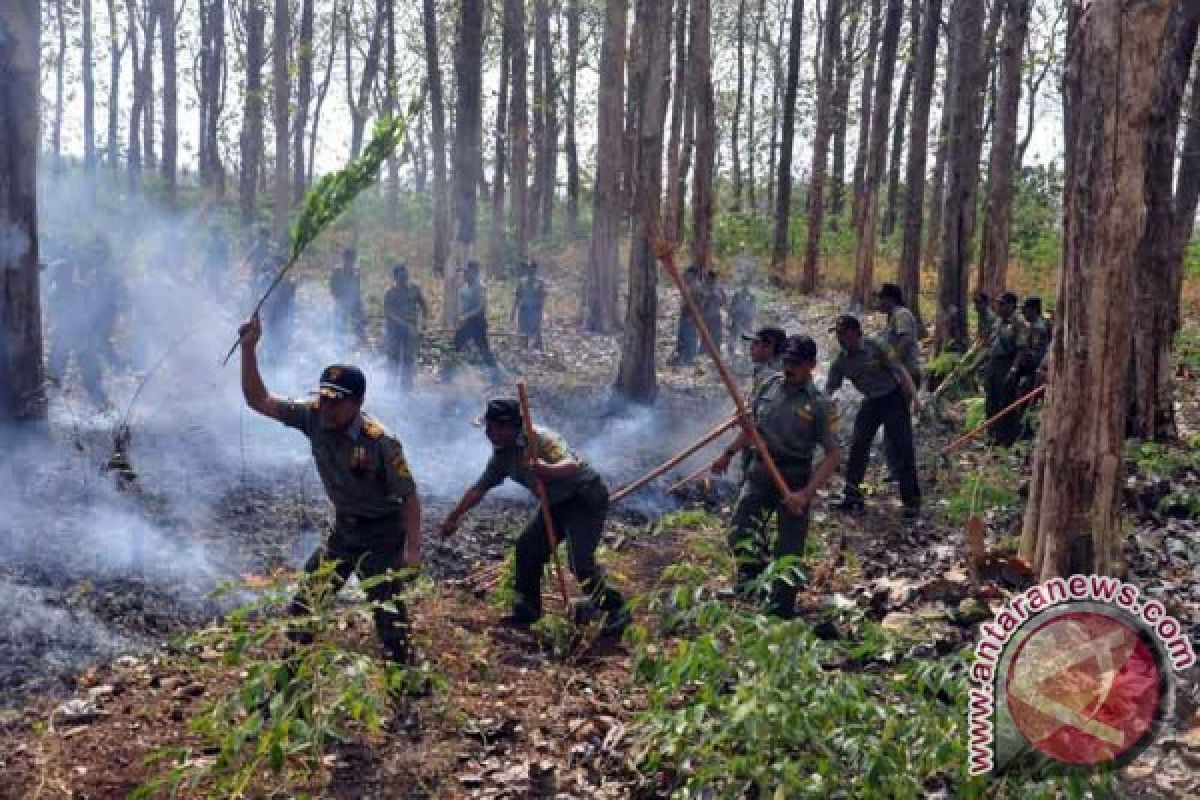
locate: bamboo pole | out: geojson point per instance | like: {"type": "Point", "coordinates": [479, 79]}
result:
{"type": "Point", "coordinates": [682, 482]}
{"type": "Point", "coordinates": [971, 434]}
{"type": "Point", "coordinates": [663, 251]}
{"type": "Point", "coordinates": [628, 489]}
{"type": "Point", "coordinates": [539, 488]}
{"type": "Point", "coordinates": [956, 373]}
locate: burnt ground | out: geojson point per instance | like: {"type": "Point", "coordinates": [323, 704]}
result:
{"type": "Point", "coordinates": [518, 717]}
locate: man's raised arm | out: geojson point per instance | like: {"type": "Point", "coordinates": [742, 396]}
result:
{"type": "Point", "coordinates": [253, 388]}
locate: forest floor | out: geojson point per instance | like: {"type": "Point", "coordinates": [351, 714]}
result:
{"type": "Point", "coordinates": [551, 713]}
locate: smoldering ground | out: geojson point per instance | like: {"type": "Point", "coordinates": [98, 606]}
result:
{"type": "Point", "coordinates": [138, 317]}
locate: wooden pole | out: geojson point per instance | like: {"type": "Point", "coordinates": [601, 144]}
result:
{"type": "Point", "coordinates": [971, 434]}
{"type": "Point", "coordinates": [539, 489]}
{"type": "Point", "coordinates": [956, 372]}
{"type": "Point", "coordinates": [628, 489]}
{"type": "Point", "coordinates": [682, 482]}
{"type": "Point", "coordinates": [663, 250]}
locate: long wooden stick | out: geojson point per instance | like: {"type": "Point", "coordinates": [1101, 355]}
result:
{"type": "Point", "coordinates": [957, 372]}
{"type": "Point", "coordinates": [682, 482]}
{"type": "Point", "coordinates": [971, 434]}
{"type": "Point", "coordinates": [539, 488]}
{"type": "Point", "coordinates": [663, 251]}
{"type": "Point", "coordinates": [628, 489]}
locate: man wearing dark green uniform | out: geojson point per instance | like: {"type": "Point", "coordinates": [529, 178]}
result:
{"type": "Point", "coordinates": [793, 419]}
{"type": "Point", "coordinates": [472, 316]}
{"type": "Point", "coordinates": [1039, 340]}
{"type": "Point", "coordinates": [362, 467]}
{"type": "Point", "coordinates": [900, 333]}
{"type": "Point", "coordinates": [984, 316]}
{"type": "Point", "coordinates": [888, 392]}
{"type": "Point", "coordinates": [578, 506]}
{"type": "Point", "coordinates": [766, 349]}
{"type": "Point", "coordinates": [403, 308]}
{"type": "Point", "coordinates": [529, 301]}
{"type": "Point", "coordinates": [1007, 354]}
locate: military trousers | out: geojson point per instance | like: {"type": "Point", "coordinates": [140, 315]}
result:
{"type": "Point", "coordinates": [474, 331]}
{"type": "Point", "coordinates": [890, 411]}
{"type": "Point", "coordinates": [686, 339]}
{"type": "Point", "coordinates": [578, 521]}
{"type": "Point", "coordinates": [750, 539]}
{"type": "Point", "coordinates": [401, 345]}
{"type": "Point", "coordinates": [366, 548]}
{"type": "Point", "coordinates": [1001, 391]}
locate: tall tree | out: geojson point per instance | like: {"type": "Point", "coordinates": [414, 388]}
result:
{"type": "Point", "coordinates": [133, 153]}
{"type": "Point", "coordinates": [498, 234]}
{"type": "Point", "coordinates": [437, 116]}
{"type": "Point", "coordinates": [252, 114]}
{"type": "Point", "coordinates": [547, 162]}
{"type": "Point", "coordinates": [636, 380]}
{"type": "Point", "coordinates": [150, 21]}
{"type": "Point", "coordinates": [570, 145]}
{"type": "Point", "coordinates": [842, 81]}
{"type": "Point", "coordinates": [21, 371]}
{"type": "Point", "coordinates": [1072, 520]}
{"type": "Point", "coordinates": [59, 82]}
{"type": "Point", "coordinates": [751, 127]}
{"type": "Point", "coordinates": [937, 193]}
{"type": "Point", "coordinates": [360, 104]}
{"type": "Point", "coordinates": [783, 189]}
{"type": "Point", "coordinates": [968, 79]}
{"type": "Point", "coordinates": [735, 125]}
{"type": "Point", "coordinates": [468, 139]}
{"type": "Point", "coordinates": [170, 149]}
{"type": "Point", "coordinates": [899, 121]}
{"type": "Point", "coordinates": [541, 31]}
{"type": "Point", "coordinates": [830, 55]}
{"type": "Point", "coordinates": [116, 52]}
{"type": "Point", "coordinates": [918, 153]}
{"type": "Point", "coordinates": [603, 263]}
{"type": "Point", "coordinates": [390, 88]}
{"type": "Point", "coordinates": [281, 95]}
{"type": "Point", "coordinates": [1157, 279]}
{"type": "Point", "coordinates": [868, 204]}
{"type": "Point", "coordinates": [89, 87]}
{"type": "Point", "coordinates": [211, 86]}
{"type": "Point", "coordinates": [997, 220]}
{"type": "Point", "coordinates": [518, 127]}
{"type": "Point", "coordinates": [701, 86]}
{"type": "Point", "coordinates": [679, 104]}
{"type": "Point", "coordinates": [867, 91]}
{"type": "Point", "coordinates": [304, 91]}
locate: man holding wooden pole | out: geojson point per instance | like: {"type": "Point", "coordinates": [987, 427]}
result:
{"type": "Point", "coordinates": [577, 501]}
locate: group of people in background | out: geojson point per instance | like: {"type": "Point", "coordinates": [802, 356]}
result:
{"type": "Point", "coordinates": [714, 304]}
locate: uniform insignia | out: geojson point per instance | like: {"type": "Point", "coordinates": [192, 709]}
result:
{"type": "Point", "coordinates": [553, 449]}
{"type": "Point", "coordinates": [401, 467]}
{"type": "Point", "coordinates": [372, 429]}
{"type": "Point", "coordinates": [805, 413]}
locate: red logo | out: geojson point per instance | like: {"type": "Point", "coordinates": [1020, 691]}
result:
{"type": "Point", "coordinates": [1085, 687]}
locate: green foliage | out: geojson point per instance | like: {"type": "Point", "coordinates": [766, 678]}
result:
{"type": "Point", "coordinates": [989, 487]}
{"type": "Point", "coordinates": [1187, 347]}
{"type": "Point", "coordinates": [1152, 458]}
{"type": "Point", "coordinates": [273, 727]}
{"type": "Point", "coordinates": [1037, 234]}
{"type": "Point", "coordinates": [976, 408]}
{"type": "Point", "coordinates": [943, 364]}
{"type": "Point", "coordinates": [745, 706]}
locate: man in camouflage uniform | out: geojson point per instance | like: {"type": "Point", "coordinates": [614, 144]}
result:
{"type": "Point", "coordinates": [403, 308]}
{"type": "Point", "coordinates": [578, 506]}
{"type": "Point", "coordinates": [793, 419]}
{"type": "Point", "coordinates": [888, 393]}
{"type": "Point", "coordinates": [900, 333]}
{"type": "Point", "coordinates": [529, 302]}
{"type": "Point", "coordinates": [984, 316]}
{"type": "Point", "coordinates": [362, 467]}
{"type": "Point", "coordinates": [685, 335]}
{"type": "Point", "coordinates": [743, 307]}
{"type": "Point", "coordinates": [472, 316]}
{"type": "Point", "coordinates": [1007, 355]}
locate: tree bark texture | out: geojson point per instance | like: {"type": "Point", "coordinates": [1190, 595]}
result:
{"type": "Point", "coordinates": [116, 52]}
{"type": "Point", "coordinates": [304, 91]}
{"type": "Point", "coordinates": [899, 123]}
{"type": "Point", "coordinates": [1072, 519]}
{"type": "Point", "coordinates": [830, 55]}
{"type": "Point", "coordinates": [281, 96]}
{"type": "Point", "coordinates": [498, 246]}
{"type": "Point", "coordinates": [170, 148]}
{"type": "Point", "coordinates": [701, 86]}
{"type": "Point", "coordinates": [89, 86]}
{"type": "Point", "coordinates": [603, 262]}
{"type": "Point", "coordinates": [437, 116]}
{"type": "Point", "coordinates": [867, 91]}
{"type": "Point", "coordinates": [518, 127]}
{"type": "Point", "coordinates": [252, 114]}
{"type": "Point", "coordinates": [679, 104]}
{"type": "Point", "coordinates": [751, 126]}
{"type": "Point", "coordinates": [842, 80]}
{"type": "Point", "coordinates": [22, 375]}
{"type": "Point", "coordinates": [735, 124]}
{"type": "Point", "coordinates": [570, 145]}
{"type": "Point", "coordinates": [783, 196]}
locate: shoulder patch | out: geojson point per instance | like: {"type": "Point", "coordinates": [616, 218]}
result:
{"type": "Point", "coordinates": [373, 429]}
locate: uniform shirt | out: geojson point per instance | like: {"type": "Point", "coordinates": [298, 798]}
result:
{"type": "Point", "coordinates": [712, 300]}
{"type": "Point", "coordinates": [870, 368]}
{"type": "Point", "coordinates": [402, 304]}
{"type": "Point", "coordinates": [793, 421]}
{"type": "Point", "coordinates": [742, 308]}
{"type": "Point", "coordinates": [1039, 338]}
{"type": "Point", "coordinates": [362, 468]}
{"type": "Point", "coordinates": [901, 335]}
{"type": "Point", "coordinates": [531, 294]}
{"type": "Point", "coordinates": [511, 462]}
{"type": "Point", "coordinates": [987, 323]}
{"type": "Point", "coordinates": [760, 374]}
{"type": "Point", "coordinates": [471, 299]}
{"type": "Point", "coordinates": [1010, 340]}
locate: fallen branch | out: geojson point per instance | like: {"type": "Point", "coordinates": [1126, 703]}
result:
{"type": "Point", "coordinates": [531, 451]}
{"type": "Point", "coordinates": [628, 489]}
{"type": "Point", "coordinates": [971, 434]}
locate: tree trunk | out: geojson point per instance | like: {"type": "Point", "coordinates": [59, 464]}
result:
{"type": "Point", "coordinates": [498, 242]}
{"type": "Point", "coordinates": [22, 376]}
{"type": "Point", "coordinates": [89, 88]}
{"type": "Point", "coordinates": [518, 127]}
{"type": "Point", "coordinates": [685, 159]}
{"type": "Point", "coordinates": [134, 154]}
{"type": "Point", "coordinates": [572, 151]}
{"type": "Point", "coordinates": [831, 43]}
{"type": "Point", "coordinates": [701, 86]}
{"type": "Point", "coordinates": [864, 113]}
{"type": "Point", "coordinates": [540, 21]}
{"type": "Point", "coordinates": [281, 96]}
{"type": "Point", "coordinates": [783, 195]}
{"type": "Point", "coordinates": [843, 79]}
{"type": "Point", "coordinates": [778, 80]}
{"type": "Point", "coordinates": [751, 127]}
{"type": "Point", "coordinates": [962, 174]}
{"type": "Point", "coordinates": [59, 82]}
{"type": "Point", "coordinates": [918, 153]}
{"type": "Point", "coordinates": [888, 225]}
{"type": "Point", "coordinates": [360, 105]}
{"type": "Point", "coordinates": [997, 219]}
{"type": "Point", "coordinates": [735, 126]}
{"type": "Point", "coordinates": [468, 140]}
{"type": "Point", "coordinates": [679, 104]}
{"type": "Point", "coordinates": [116, 51]}
{"type": "Point", "coordinates": [437, 117]}
{"type": "Point", "coordinates": [938, 190]}
{"type": "Point", "coordinates": [1074, 500]}
{"type": "Point", "coordinates": [868, 204]}
{"type": "Point", "coordinates": [252, 114]}
{"type": "Point", "coordinates": [149, 160]}
{"type": "Point", "coordinates": [547, 162]}
{"type": "Point", "coordinates": [636, 380]}
{"type": "Point", "coordinates": [304, 91]}
{"type": "Point", "coordinates": [389, 108]}
{"type": "Point", "coordinates": [170, 150]}
{"type": "Point", "coordinates": [1156, 280]}
{"type": "Point", "coordinates": [603, 261]}
{"type": "Point", "coordinates": [212, 71]}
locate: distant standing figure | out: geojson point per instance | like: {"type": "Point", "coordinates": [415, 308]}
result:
{"type": "Point", "coordinates": [345, 286]}
{"type": "Point", "coordinates": [1008, 355]}
{"type": "Point", "coordinates": [529, 302]}
{"type": "Point", "coordinates": [711, 304]}
{"type": "Point", "coordinates": [900, 333]}
{"type": "Point", "coordinates": [403, 309]}
{"type": "Point", "coordinates": [743, 308]}
{"type": "Point", "coordinates": [472, 326]}
{"type": "Point", "coordinates": [985, 317]}
{"type": "Point", "coordinates": [685, 334]}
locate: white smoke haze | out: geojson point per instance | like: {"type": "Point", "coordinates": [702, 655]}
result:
{"type": "Point", "coordinates": [220, 490]}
